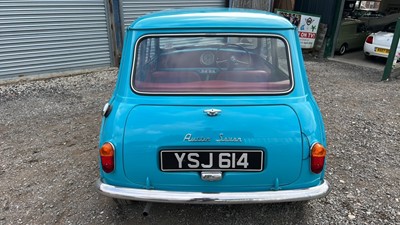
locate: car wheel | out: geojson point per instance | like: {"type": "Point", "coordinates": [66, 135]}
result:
{"type": "Point", "coordinates": [343, 49]}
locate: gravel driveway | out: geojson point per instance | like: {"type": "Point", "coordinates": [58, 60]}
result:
{"type": "Point", "coordinates": [48, 163]}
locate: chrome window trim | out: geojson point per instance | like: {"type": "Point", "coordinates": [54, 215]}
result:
{"type": "Point", "coordinates": [288, 49]}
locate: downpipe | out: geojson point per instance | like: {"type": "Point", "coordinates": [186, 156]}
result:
{"type": "Point", "coordinates": [146, 209]}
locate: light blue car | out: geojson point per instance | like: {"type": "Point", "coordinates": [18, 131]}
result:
{"type": "Point", "coordinates": [212, 106]}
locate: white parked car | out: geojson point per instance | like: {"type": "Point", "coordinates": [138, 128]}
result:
{"type": "Point", "coordinates": [378, 44]}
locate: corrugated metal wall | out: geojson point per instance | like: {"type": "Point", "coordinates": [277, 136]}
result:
{"type": "Point", "coordinates": [133, 9]}
{"type": "Point", "coordinates": [42, 36]}
{"type": "Point", "coordinates": [266, 5]}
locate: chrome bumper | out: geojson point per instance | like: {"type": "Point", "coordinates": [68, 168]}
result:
{"type": "Point", "coordinates": [213, 198]}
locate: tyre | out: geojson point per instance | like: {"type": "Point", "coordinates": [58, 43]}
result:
{"type": "Point", "coordinates": [343, 49]}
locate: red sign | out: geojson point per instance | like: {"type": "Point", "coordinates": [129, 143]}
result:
{"type": "Point", "coordinates": [307, 35]}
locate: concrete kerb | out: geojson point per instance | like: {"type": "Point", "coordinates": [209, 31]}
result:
{"type": "Point", "coordinates": [13, 80]}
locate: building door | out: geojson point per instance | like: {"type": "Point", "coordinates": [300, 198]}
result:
{"type": "Point", "coordinates": [50, 36]}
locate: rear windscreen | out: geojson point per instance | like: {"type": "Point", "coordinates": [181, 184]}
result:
{"type": "Point", "coordinates": [225, 64]}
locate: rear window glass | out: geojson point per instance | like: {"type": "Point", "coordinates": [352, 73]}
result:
{"type": "Point", "coordinates": [212, 64]}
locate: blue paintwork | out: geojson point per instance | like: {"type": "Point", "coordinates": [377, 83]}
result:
{"type": "Point", "coordinates": [210, 18]}
{"type": "Point", "coordinates": [285, 126]}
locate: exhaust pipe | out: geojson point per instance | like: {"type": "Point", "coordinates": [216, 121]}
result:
{"type": "Point", "coordinates": [146, 209]}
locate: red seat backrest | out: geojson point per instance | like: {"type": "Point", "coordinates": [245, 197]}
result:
{"type": "Point", "coordinates": [244, 76]}
{"type": "Point", "coordinates": [173, 77]}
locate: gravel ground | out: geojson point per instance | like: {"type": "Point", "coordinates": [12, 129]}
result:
{"type": "Point", "coordinates": [49, 134]}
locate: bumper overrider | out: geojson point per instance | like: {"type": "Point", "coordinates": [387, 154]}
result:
{"type": "Point", "coordinates": [213, 198]}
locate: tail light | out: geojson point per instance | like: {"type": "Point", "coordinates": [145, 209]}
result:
{"type": "Point", "coordinates": [369, 39]}
{"type": "Point", "coordinates": [107, 157]}
{"type": "Point", "coordinates": [318, 154]}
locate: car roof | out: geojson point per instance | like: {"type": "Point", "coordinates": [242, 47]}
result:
{"type": "Point", "coordinates": [211, 18]}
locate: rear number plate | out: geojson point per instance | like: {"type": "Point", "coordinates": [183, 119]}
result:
{"type": "Point", "coordinates": [206, 160]}
{"type": "Point", "coordinates": [382, 50]}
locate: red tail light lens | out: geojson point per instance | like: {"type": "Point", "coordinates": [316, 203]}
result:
{"type": "Point", "coordinates": [107, 157]}
{"type": "Point", "coordinates": [318, 154]}
{"type": "Point", "coordinates": [369, 39]}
